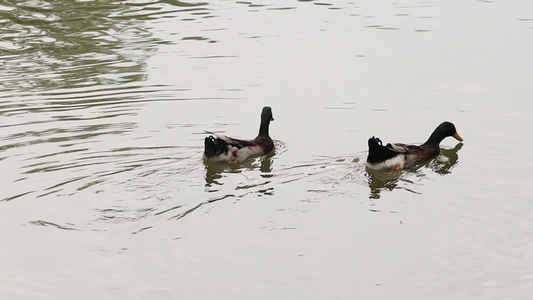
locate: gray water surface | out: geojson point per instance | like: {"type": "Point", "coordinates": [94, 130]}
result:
{"type": "Point", "coordinates": [104, 106]}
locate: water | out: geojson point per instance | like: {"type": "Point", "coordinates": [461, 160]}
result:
{"type": "Point", "coordinates": [104, 107]}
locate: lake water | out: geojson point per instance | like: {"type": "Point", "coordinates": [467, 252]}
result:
{"type": "Point", "coordinates": [103, 111]}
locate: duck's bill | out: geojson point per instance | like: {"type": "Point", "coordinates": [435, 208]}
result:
{"type": "Point", "coordinates": [457, 137]}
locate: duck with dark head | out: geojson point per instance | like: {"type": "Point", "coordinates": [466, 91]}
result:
{"type": "Point", "coordinates": [221, 148]}
{"type": "Point", "coordinates": [401, 156]}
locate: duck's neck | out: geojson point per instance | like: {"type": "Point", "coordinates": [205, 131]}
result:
{"type": "Point", "coordinates": [263, 129]}
{"type": "Point", "coordinates": [435, 138]}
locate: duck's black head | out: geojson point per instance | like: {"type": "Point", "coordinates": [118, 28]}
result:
{"type": "Point", "coordinates": [266, 114]}
{"type": "Point", "coordinates": [445, 129]}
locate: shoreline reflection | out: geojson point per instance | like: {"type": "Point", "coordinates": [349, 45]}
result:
{"type": "Point", "coordinates": [443, 164]}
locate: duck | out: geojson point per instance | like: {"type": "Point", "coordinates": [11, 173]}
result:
{"type": "Point", "coordinates": [401, 156]}
{"type": "Point", "coordinates": [224, 149]}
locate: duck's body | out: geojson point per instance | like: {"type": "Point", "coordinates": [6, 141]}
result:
{"type": "Point", "coordinates": [400, 156]}
{"type": "Point", "coordinates": [220, 148]}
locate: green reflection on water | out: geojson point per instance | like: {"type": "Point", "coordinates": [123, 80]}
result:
{"type": "Point", "coordinates": [55, 44]}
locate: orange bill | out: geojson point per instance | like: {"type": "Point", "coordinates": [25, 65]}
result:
{"type": "Point", "coordinates": [457, 137]}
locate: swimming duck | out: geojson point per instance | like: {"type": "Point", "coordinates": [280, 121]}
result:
{"type": "Point", "coordinates": [220, 148]}
{"type": "Point", "coordinates": [401, 156]}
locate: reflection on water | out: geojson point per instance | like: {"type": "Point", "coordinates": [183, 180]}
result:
{"type": "Point", "coordinates": [70, 43]}
{"type": "Point", "coordinates": [382, 180]}
{"type": "Point", "coordinates": [63, 43]}
{"type": "Point", "coordinates": [379, 181]}
{"type": "Point", "coordinates": [446, 161]}
{"type": "Point", "coordinates": [214, 171]}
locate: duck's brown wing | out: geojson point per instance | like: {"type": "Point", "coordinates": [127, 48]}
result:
{"type": "Point", "coordinates": [238, 143]}
{"type": "Point", "coordinates": [403, 148]}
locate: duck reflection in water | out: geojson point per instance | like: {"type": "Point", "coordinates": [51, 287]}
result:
{"type": "Point", "coordinates": [443, 164]}
{"type": "Point", "coordinates": [215, 171]}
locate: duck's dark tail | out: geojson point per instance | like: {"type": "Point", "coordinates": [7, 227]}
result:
{"type": "Point", "coordinates": [214, 146]}
{"type": "Point", "coordinates": [377, 152]}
